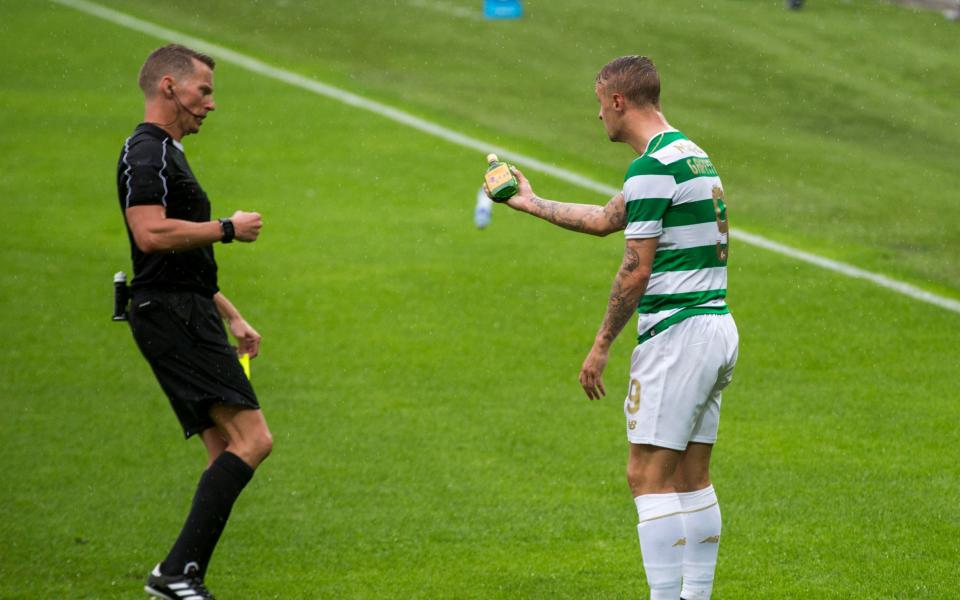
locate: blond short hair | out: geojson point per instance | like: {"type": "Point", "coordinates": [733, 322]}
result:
{"type": "Point", "coordinates": [633, 76]}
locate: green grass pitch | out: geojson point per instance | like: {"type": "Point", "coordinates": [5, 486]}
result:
{"type": "Point", "coordinates": [419, 375]}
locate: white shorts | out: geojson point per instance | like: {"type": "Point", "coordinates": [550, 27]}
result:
{"type": "Point", "coordinates": [675, 382]}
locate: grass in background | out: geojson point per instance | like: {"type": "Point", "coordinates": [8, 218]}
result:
{"type": "Point", "coordinates": [419, 375]}
{"type": "Point", "coordinates": [835, 127]}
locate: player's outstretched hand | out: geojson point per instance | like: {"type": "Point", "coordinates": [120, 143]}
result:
{"type": "Point", "coordinates": [246, 226]}
{"type": "Point", "coordinates": [591, 373]}
{"type": "Point", "coordinates": [248, 340]}
{"type": "Point", "coordinates": [525, 193]}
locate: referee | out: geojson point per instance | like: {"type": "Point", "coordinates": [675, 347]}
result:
{"type": "Point", "coordinates": [177, 310]}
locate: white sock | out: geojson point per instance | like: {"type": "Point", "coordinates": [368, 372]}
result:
{"type": "Point", "coordinates": [701, 519]}
{"type": "Point", "coordinates": [662, 540]}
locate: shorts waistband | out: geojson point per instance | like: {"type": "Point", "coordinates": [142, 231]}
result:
{"type": "Point", "coordinates": [681, 315]}
{"type": "Point", "coordinates": [151, 291]}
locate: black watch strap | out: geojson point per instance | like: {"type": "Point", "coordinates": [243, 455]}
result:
{"type": "Point", "coordinates": [226, 225]}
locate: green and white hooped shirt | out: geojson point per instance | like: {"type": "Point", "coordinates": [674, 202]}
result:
{"type": "Point", "coordinates": [673, 191]}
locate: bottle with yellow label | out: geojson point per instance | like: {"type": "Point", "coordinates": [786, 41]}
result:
{"type": "Point", "coordinates": [500, 182]}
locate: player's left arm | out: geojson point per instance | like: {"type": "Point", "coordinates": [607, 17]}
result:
{"type": "Point", "coordinates": [248, 340]}
{"type": "Point", "coordinates": [628, 287]}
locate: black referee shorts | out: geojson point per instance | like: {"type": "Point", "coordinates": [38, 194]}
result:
{"type": "Point", "coordinates": [181, 335]}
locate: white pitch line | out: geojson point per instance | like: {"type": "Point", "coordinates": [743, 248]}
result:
{"type": "Point", "coordinates": [851, 271]}
{"type": "Point", "coordinates": [447, 9]}
{"type": "Point", "coordinates": [257, 66]}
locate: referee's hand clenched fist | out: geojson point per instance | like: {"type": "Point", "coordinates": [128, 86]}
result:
{"type": "Point", "coordinates": [246, 225]}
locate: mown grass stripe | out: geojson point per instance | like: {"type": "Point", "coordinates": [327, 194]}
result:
{"type": "Point", "coordinates": [258, 66]}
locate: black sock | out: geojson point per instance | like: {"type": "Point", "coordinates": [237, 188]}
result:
{"type": "Point", "coordinates": [219, 487]}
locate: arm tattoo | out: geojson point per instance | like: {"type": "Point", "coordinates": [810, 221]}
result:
{"type": "Point", "coordinates": [585, 218]}
{"type": "Point", "coordinates": [616, 212]}
{"type": "Point", "coordinates": [562, 214]}
{"type": "Point", "coordinates": [631, 260]}
{"type": "Point", "coordinates": [623, 299]}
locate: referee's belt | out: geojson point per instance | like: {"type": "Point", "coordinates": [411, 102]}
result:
{"type": "Point", "coordinates": [680, 316]}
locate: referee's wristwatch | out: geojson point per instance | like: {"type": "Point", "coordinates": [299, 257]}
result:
{"type": "Point", "coordinates": [226, 226]}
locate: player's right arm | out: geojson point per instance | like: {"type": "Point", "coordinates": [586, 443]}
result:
{"type": "Point", "coordinates": [143, 190]}
{"type": "Point", "coordinates": [585, 218]}
{"type": "Point", "coordinates": [154, 232]}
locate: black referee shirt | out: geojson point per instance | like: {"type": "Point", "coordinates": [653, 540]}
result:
{"type": "Point", "coordinates": [153, 170]}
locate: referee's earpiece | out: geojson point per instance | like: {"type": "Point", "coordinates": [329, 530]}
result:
{"type": "Point", "coordinates": [180, 106]}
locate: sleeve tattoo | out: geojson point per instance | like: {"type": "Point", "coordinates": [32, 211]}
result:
{"type": "Point", "coordinates": [623, 298]}
{"type": "Point", "coordinates": [585, 218]}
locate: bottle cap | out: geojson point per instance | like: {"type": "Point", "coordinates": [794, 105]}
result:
{"type": "Point", "coordinates": [491, 158]}
{"type": "Point", "coordinates": [120, 277]}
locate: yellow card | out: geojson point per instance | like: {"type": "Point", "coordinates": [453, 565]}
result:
{"type": "Point", "coordinates": [245, 363]}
